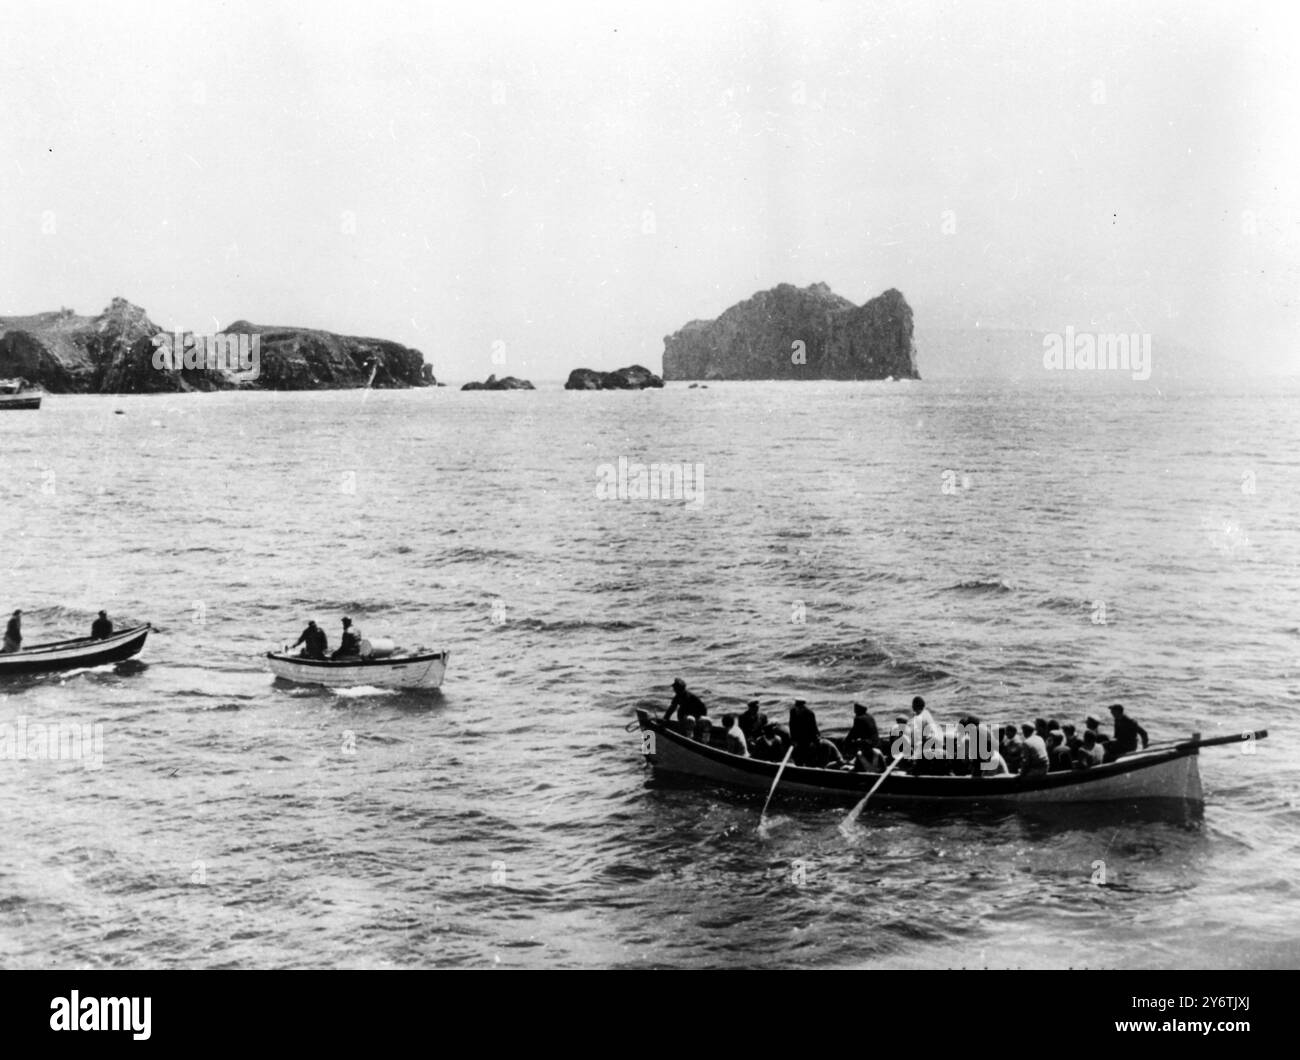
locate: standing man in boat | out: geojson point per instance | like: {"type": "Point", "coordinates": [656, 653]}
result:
{"type": "Point", "coordinates": [313, 640]}
{"type": "Point", "coordinates": [101, 627]}
{"type": "Point", "coordinates": [920, 730]}
{"type": "Point", "coordinates": [1127, 731]}
{"type": "Point", "coordinates": [350, 642]}
{"type": "Point", "coordinates": [863, 733]}
{"type": "Point", "coordinates": [14, 632]}
{"type": "Point", "coordinates": [810, 747]}
{"type": "Point", "coordinates": [686, 704]}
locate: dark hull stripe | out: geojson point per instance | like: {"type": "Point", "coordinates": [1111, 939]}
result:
{"type": "Point", "coordinates": [97, 653]}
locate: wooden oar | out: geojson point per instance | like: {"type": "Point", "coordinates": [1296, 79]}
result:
{"type": "Point", "coordinates": [762, 817]}
{"type": "Point", "coordinates": [1195, 742]}
{"type": "Point", "coordinates": [853, 814]}
{"type": "Point", "coordinates": [1214, 741]}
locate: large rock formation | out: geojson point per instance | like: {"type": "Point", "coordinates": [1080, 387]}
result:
{"type": "Point", "coordinates": [797, 333]}
{"type": "Point", "coordinates": [510, 382]}
{"type": "Point", "coordinates": [308, 359]}
{"type": "Point", "coordinates": [111, 353]}
{"type": "Point", "coordinates": [632, 378]}
{"type": "Point", "coordinates": [115, 353]}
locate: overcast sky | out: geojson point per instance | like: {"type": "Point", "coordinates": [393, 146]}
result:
{"type": "Point", "coordinates": [578, 180]}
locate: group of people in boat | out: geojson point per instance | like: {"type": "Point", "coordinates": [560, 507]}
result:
{"type": "Point", "coordinates": [919, 744]}
{"type": "Point", "coordinates": [101, 628]}
{"type": "Point", "coordinates": [315, 642]}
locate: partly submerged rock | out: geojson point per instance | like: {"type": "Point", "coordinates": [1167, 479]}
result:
{"type": "Point", "coordinates": [634, 377]}
{"type": "Point", "coordinates": [790, 332]}
{"type": "Point", "coordinates": [493, 383]}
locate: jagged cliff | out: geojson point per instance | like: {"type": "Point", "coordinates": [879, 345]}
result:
{"type": "Point", "coordinates": [111, 353]}
{"type": "Point", "coordinates": [798, 333]}
{"type": "Point", "coordinates": [115, 352]}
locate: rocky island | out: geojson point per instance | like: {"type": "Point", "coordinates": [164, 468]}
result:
{"type": "Point", "coordinates": [798, 333]}
{"type": "Point", "coordinates": [119, 351]}
{"type": "Point", "coordinates": [510, 382]}
{"type": "Point", "coordinates": [632, 378]}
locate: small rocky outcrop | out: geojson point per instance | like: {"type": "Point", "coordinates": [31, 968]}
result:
{"type": "Point", "coordinates": [493, 383]}
{"type": "Point", "coordinates": [790, 332]}
{"type": "Point", "coordinates": [632, 378]}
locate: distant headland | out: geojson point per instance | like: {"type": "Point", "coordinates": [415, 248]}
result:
{"type": "Point", "coordinates": [122, 351]}
{"type": "Point", "coordinates": [793, 332]}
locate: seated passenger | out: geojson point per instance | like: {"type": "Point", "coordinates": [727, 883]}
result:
{"type": "Point", "coordinates": [1033, 752]}
{"type": "Point", "coordinates": [734, 737]}
{"type": "Point", "coordinates": [1058, 754]}
{"type": "Point", "coordinates": [823, 755]}
{"type": "Point", "coordinates": [1011, 747]}
{"type": "Point", "coordinates": [752, 721]}
{"type": "Point", "coordinates": [898, 738]}
{"type": "Point", "coordinates": [349, 643]}
{"type": "Point", "coordinates": [772, 743]}
{"type": "Point", "coordinates": [868, 759]}
{"type": "Point", "coordinates": [1090, 753]}
{"type": "Point", "coordinates": [1091, 724]}
{"type": "Point", "coordinates": [993, 766]}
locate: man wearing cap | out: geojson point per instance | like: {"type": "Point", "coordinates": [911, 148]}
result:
{"type": "Point", "coordinates": [350, 642]}
{"type": "Point", "coordinates": [101, 627]}
{"type": "Point", "coordinates": [687, 705]}
{"type": "Point", "coordinates": [1094, 726]}
{"type": "Point", "coordinates": [863, 733]}
{"type": "Point", "coordinates": [14, 633]}
{"type": "Point", "coordinates": [1127, 732]}
{"type": "Point", "coordinates": [752, 722]}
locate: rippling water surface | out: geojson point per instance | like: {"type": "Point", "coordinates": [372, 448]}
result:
{"type": "Point", "coordinates": [939, 538]}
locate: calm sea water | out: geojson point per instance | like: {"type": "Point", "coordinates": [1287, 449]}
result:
{"type": "Point", "coordinates": [867, 541]}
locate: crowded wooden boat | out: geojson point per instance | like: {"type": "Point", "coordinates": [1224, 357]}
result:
{"type": "Point", "coordinates": [920, 761]}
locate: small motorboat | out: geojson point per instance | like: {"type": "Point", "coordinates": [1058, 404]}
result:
{"type": "Point", "coordinates": [16, 394]}
{"type": "Point", "coordinates": [1165, 773]}
{"type": "Point", "coordinates": [380, 664]}
{"type": "Point", "coordinates": [74, 654]}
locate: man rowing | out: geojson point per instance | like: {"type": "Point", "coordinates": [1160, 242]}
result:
{"type": "Point", "coordinates": [101, 628]}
